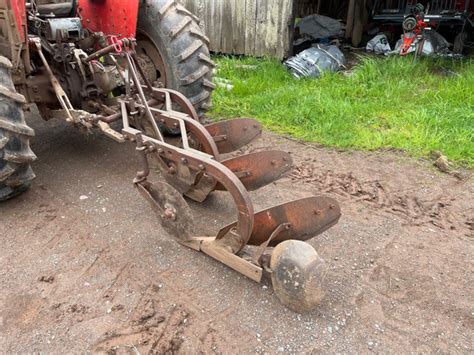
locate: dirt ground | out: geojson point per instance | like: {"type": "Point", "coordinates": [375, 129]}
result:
{"type": "Point", "coordinates": [86, 267]}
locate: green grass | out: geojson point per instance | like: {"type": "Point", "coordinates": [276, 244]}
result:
{"type": "Point", "coordinates": [385, 103]}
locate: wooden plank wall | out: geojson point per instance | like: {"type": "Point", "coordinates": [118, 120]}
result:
{"type": "Point", "coordinates": [307, 7]}
{"type": "Point", "coordinates": [250, 27]}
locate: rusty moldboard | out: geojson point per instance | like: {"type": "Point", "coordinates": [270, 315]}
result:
{"type": "Point", "coordinates": [231, 135]}
{"type": "Point", "coordinates": [307, 218]}
{"type": "Point", "coordinates": [256, 170]}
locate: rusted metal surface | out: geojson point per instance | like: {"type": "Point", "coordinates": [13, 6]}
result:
{"type": "Point", "coordinates": [146, 49]}
{"type": "Point", "coordinates": [100, 76]}
{"type": "Point", "coordinates": [175, 97]}
{"type": "Point", "coordinates": [307, 218]}
{"type": "Point", "coordinates": [175, 215]}
{"type": "Point", "coordinates": [169, 119]}
{"type": "Point", "coordinates": [106, 50]}
{"type": "Point", "coordinates": [202, 188]}
{"type": "Point", "coordinates": [232, 135]}
{"type": "Point", "coordinates": [233, 185]}
{"type": "Point", "coordinates": [257, 257]}
{"type": "Point", "coordinates": [258, 169]}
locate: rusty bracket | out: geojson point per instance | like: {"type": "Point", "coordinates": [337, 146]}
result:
{"type": "Point", "coordinates": [261, 249]}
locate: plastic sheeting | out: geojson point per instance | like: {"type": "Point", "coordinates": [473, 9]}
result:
{"type": "Point", "coordinates": [315, 61]}
{"type": "Point", "coordinates": [379, 45]}
{"type": "Point", "coordinates": [318, 26]}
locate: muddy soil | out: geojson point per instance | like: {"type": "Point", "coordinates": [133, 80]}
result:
{"type": "Point", "coordinates": [86, 267]}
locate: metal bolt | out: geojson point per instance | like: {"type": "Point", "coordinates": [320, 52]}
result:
{"type": "Point", "coordinates": [160, 151]}
{"type": "Point", "coordinates": [169, 213]}
{"type": "Point", "coordinates": [201, 167]}
{"type": "Point", "coordinates": [184, 161]}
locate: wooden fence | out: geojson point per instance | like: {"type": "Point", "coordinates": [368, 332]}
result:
{"type": "Point", "coordinates": [265, 27]}
{"type": "Point", "coordinates": [251, 27]}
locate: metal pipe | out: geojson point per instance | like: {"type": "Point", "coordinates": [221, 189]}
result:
{"type": "Point", "coordinates": [118, 115]}
{"type": "Point", "coordinates": [143, 99]}
{"type": "Point", "coordinates": [100, 53]}
{"type": "Point", "coordinates": [112, 118]}
{"type": "Point", "coordinates": [106, 50]}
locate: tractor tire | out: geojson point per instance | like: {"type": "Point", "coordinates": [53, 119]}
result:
{"type": "Point", "coordinates": [15, 153]}
{"type": "Point", "coordinates": [178, 50]}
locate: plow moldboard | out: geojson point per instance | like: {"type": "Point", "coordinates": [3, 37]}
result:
{"type": "Point", "coordinates": [308, 217]}
{"type": "Point", "coordinates": [231, 135]}
{"type": "Point", "coordinates": [258, 169]}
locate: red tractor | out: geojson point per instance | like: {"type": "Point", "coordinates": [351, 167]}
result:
{"type": "Point", "coordinates": [138, 71]}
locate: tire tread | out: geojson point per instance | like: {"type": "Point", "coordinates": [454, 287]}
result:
{"type": "Point", "coordinates": [15, 153]}
{"type": "Point", "coordinates": [186, 46]}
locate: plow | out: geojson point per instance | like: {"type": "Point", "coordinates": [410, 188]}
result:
{"type": "Point", "coordinates": [98, 73]}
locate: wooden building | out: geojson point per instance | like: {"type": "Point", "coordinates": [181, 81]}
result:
{"type": "Point", "coordinates": [263, 27]}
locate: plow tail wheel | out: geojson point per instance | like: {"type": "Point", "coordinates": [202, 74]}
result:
{"type": "Point", "coordinates": [15, 153]}
{"type": "Point", "coordinates": [170, 35]}
{"type": "Point", "coordinates": [298, 274]}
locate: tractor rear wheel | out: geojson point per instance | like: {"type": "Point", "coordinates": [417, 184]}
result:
{"type": "Point", "coordinates": [174, 51]}
{"type": "Point", "coordinates": [15, 153]}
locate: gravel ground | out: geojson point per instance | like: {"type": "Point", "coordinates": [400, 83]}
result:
{"type": "Point", "coordinates": [86, 267]}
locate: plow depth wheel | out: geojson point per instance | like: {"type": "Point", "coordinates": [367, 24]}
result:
{"type": "Point", "coordinates": [298, 273]}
